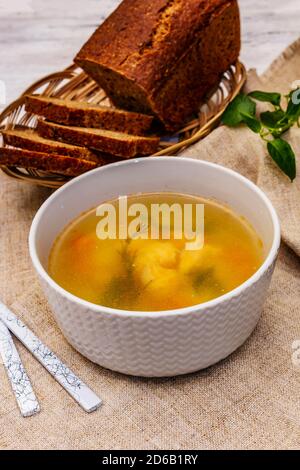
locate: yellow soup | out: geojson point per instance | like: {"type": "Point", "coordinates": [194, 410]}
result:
{"type": "Point", "coordinates": [146, 274]}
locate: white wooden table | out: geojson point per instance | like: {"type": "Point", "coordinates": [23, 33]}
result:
{"type": "Point", "coordinates": [39, 37]}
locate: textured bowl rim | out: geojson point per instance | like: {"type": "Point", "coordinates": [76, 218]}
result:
{"type": "Point", "coordinates": [182, 311]}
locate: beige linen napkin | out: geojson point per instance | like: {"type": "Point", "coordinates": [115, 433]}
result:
{"type": "Point", "coordinates": [250, 400]}
{"type": "Point", "coordinates": [245, 152]}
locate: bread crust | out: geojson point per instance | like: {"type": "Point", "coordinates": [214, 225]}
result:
{"type": "Point", "coordinates": [43, 161]}
{"type": "Point", "coordinates": [163, 56]}
{"type": "Point", "coordinates": [113, 143]}
{"type": "Point", "coordinates": [79, 114]}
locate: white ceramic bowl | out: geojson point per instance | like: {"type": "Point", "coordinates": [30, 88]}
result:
{"type": "Point", "coordinates": [166, 343]}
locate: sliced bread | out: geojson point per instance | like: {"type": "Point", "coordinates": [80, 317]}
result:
{"type": "Point", "coordinates": [28, 139]}
{"type": "Point", "coordinates": [114, 143]}
{"type": "Point", "coordinates": [163, 56]}
{"type": "Point", "coordinates": [68, 166]}
{"type": "Point", "coordinates": [82, 114]}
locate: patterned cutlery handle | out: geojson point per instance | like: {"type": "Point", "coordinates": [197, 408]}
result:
{"type": "Point", "coordinates": [17, 375]}
{"type": "Point", "coordinates": [84, 396]}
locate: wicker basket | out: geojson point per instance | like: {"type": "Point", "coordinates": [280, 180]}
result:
{"type": "Point", "coordinates": [74, 84]}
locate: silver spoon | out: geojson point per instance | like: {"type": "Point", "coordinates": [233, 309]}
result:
{"type": "Point", "coordinates": [84, 396]}
{"type": "Point", "coordinates": [17, 375]}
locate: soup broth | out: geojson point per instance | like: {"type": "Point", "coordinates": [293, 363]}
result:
{"type": "Point", "coordinates": [151, 275]}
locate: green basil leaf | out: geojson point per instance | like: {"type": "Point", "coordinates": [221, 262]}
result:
{"type": "Point", "coordinates": [283, 155]}
{"type": "Point", "coordinates": [273, 98]}
{"type": "Point", "coordinates": [271, 119]}
{"type": "Point", "coordinates": [241, 104]}
{"type": "Point", "coordinates": [252, 122]}
{"type": "Point", "coordinates": [293, 109]}
{"type": "Point", "coordinates": [277, 122]}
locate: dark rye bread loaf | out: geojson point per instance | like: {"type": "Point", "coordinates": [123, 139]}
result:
{"type": "Point", "coordinates": [81, 114]}
{"type": "Point", "coordinates": [163, 56]}
{"type": "Point", "coordinates": [30, 140]}
{"type": "Point", "coordinates": [114, 143]}
{"type": "Point", "coordinates": [44, 161]}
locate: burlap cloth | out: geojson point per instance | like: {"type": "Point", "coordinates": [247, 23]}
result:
{"type": "Point", "coordinates": [250, 400]}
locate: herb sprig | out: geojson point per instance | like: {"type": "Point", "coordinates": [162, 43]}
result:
{"type": "Point", "coordinates": [270, 125]}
